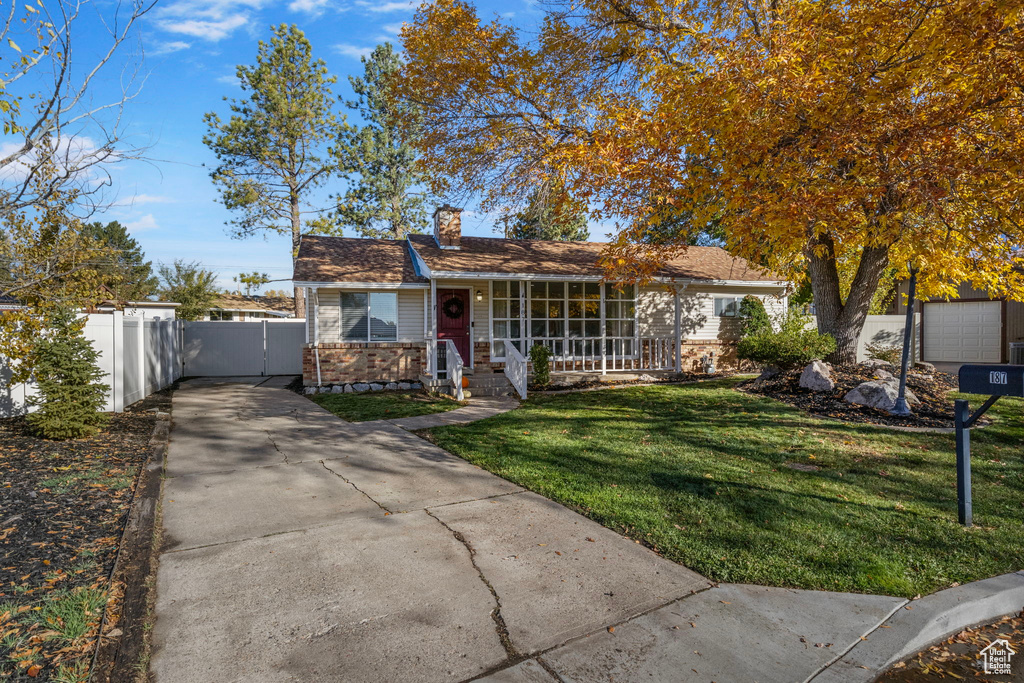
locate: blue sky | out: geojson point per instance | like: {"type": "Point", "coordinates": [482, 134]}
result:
{"type": "Point", "coordinates": [191, 50]}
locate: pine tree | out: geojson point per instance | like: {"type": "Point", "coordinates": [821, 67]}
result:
{"type": "Point", "coordinates": [70, 391]}
{"type": "Point", "coordinates": [273, 152]}
{"type": "Point", "coordinates": [550, 214]}
{"type": "Point", "coordinates": [128, 273]}
{"type": "Point", "coordinates": [386, 199]}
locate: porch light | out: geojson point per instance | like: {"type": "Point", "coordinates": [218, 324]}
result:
{"type": "Point", "coordinates": [479, 295]}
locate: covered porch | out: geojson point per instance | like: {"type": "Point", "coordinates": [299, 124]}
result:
{"type": "Point", "coordinates": [591, 328]}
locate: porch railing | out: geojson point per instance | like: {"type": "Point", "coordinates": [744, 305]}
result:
{"type": "Point", "coordinates": [453, 367]}
{"type": "Point", "coordinates": [611, 354]}
{"type": "Point", "coordinates": [515, 367]}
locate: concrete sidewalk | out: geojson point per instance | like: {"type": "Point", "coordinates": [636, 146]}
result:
{"type": "Point", "coordinates": [299, 547]}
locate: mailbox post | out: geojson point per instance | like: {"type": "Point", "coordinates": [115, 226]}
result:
{"type": "Point", "coordinates": [991, 380]}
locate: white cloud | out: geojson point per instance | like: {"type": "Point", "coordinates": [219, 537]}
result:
{"type": "Point", "coordinates": [168, 48]}
{"type": "Point", "coordinates": [227, 80]}
{"type": "Point", "coordinates": [141, 224]}
{"type": "Point", "coordinates": [210, 20]}
{"type": "Point", "coordinates": [141, 199]}
{"type": "Point", "coordinates": [393, 29]}
{"type": "Point", "coordinates": [381, 8]}
{"type": "Point", "coordinates": [353, 51]}
{"type": "Point", "coordinates": [314, 7]}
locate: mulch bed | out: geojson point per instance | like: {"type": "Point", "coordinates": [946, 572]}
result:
{"type": "Point", "coordinates": [959, 658]}
{"type": "Point", "coordinates": [675, 378]}
{"type": "Point", "coordinates": [936, 409]}
{"type": "Point", "coordinates": [63, 506]}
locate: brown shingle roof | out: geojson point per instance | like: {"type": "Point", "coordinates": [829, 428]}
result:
{"type": "Point", "coordinates": [345, 259]}
{"type": "Point", "coordinates": [240, 302]}
{"type": "Point", "coordinates": [539, 257]}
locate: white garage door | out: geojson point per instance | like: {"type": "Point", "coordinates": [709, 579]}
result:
{"type": "Point", "coordinates": [963, 332]}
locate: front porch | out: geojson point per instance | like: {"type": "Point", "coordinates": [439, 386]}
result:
{"type": "Point", "coordinates": [591, 328]}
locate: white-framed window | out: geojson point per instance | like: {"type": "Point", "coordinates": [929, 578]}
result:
{"type": "Point", "coordinates": [727, 306]}
{"type": "Point", "coordinates": [369, 316]}
{"type": "Point", "coordinates": [217, 314]}
{"type": "Point", "coordinates": [506, 315]}
{"type": "Point", "coordinates": [620, 318]}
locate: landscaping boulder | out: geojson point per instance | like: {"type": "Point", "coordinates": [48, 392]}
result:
{"type": "Point", "coordinates": [405, 386]}
{"type": "Point", "coordinates": [360, 387]}
{"type": "Point", "coordinates": [817, 377]}
{"type": "Point", "coordinates": [374, 386]}
{"type": "Point", "coordinates": [417, 385]}
{"type": "Point", "coordinates": [877, 364]}
{"type": "Point", "coordinates": [925, 367]}
{"type": "Point", "coordinates": [391, 386]}
{"type": "Point", "coordinates": [883, 374]}
{"type": "Point", "coordinates": [337, 389]}
{"type": "Point", "coordinates": [309, 391]}
{"type": "Point", "coordinates": [878, 394]}
{"type": "Point", "coordinates": [349, 389]}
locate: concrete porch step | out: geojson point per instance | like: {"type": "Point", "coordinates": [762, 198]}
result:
{"type": "Point", "coordinates": [490, 391]}
{"type": "Point", "coordinates": [487, 381]}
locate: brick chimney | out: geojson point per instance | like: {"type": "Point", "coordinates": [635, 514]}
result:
{"type": "Point", "coordinates": [448, 227]}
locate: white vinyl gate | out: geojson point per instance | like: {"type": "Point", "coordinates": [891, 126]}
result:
{"type": "Point", "coordinates": [231, 349]}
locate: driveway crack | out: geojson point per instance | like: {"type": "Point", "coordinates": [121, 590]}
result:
{"type": "Point", "coordinates": [499, 621]}
{"type": "Point", "coordinates": [276, 447]}
{"type": "Point", "coordinates": [350, 483]}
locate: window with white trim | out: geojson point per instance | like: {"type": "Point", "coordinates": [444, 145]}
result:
{"type": "Point", "coordinates": [727, 306]}
{"type": "Point", "coordinates": [620, 318]}
{"type": "Point", "coordinates": [369, 316]}
{"type": "Point", "coordinates": [506, 315]}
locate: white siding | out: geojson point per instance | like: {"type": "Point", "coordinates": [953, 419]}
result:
{"type": "Point", "coordinates": [656, 310]}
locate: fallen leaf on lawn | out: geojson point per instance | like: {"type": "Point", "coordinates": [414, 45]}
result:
{"type": "Point", "coordinates": [611, 629]}
{"type": "Point", "coordinates": [34, 670]}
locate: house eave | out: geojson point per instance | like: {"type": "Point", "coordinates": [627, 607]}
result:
{"type": "Point", "coordinates": [362, 285]}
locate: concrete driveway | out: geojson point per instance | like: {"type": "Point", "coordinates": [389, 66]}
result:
{"type": "Point", "coordinates": [299, 547]}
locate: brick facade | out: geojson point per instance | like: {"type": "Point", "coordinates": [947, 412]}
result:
{"type": "Point", "coordinates": [380, 362]}
{"type": "Point", "coordinates": [725, 355]}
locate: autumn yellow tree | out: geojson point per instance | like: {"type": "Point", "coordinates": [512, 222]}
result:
{"type": "Point", "coordinates": [838, 139]}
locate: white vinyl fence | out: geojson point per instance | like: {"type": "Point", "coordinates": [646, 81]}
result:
{"type": "Point", "coordinates": [137, 356]}
{"type": "Point", "coordinates": [232, 349]}
{"type": "Point", "coordinates": [887, 330]}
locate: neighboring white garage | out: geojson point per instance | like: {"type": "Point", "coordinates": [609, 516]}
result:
{"type": "Point", "coordinates": [963, 331]}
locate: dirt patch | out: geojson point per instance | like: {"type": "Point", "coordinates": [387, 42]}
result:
{"type": "Point", "coordinates": [63, 508]}
{"type": "Point", "coordinates": [936, 409]}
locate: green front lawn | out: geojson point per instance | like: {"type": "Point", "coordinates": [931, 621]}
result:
{"type": "Point", "coordinates": [384, 405]}
{"type": "Point", "coordinates": [702, 474]}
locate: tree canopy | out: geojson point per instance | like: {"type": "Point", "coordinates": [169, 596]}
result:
{"type": "Point", "coordinates": [387, 196]}
{"type": "Point", "coordinates": [190, 285]}
{"type": "Point", "coordinates": [550, 214]}
{"type": "Point", "coordinates": [838, 139]}
{"type": "Point", "coordinates": [127, 272]}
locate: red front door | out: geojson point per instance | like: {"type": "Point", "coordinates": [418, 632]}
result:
{"type": "Point", "coordinates": [453, 319]}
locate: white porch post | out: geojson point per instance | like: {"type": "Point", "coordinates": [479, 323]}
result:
{"type": "Point", "coordinates": [432, 347]}
{"type": "Point", "coordinates": [316, 332]}
{"type": "Point", "coordinates": [678, 334]}
{"type": "Point", "coordinates": [604, 350]}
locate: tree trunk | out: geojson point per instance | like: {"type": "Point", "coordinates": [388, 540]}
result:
{"type": "Point", "coordinates": [300, 298]}
{"type": "Point", "coordinates": [843, 321]}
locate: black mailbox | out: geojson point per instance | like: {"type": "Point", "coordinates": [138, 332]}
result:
{"type": "Point", "coordinates": [992, 380]}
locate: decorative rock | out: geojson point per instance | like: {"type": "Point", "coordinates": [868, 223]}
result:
{"type": "Point", "coordinates": [360, 387]}
{"type": "Point", "coordinates": [374, 386]}
{"type": "Point", "coordinates": [883, 374]}
{"type": "Point", "coordinates": [647, 378]}
{"type": "Point", "coordinates": [309, 391]}
{"type": "Point", "coordinates": [349, 389]}
{"type": "Point", "coordinates": [417, 385]}
{"type": "Point", "coordinates": [391, 386]}
{"type": "Point", "coordinates": [337, 389]}
{"type": "Point", "coordinates": [878, 394]}
{"type": "Point", "coordinates": [817, 377]}
{"type": "Point", "coordinates": [404, 386]}
{"type": "Point", "coordinates": [876, 363]}
{"type": "Point", "coordinates": [925, 367]}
